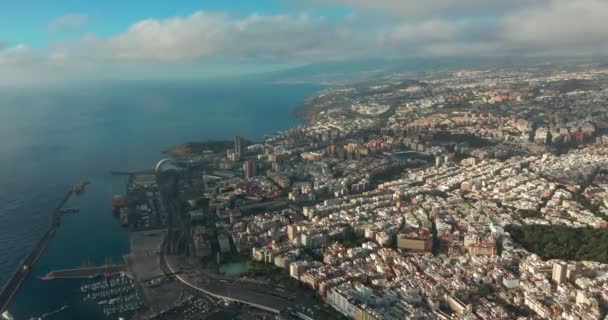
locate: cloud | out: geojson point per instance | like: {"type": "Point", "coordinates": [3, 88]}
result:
{"type": "Point", "coordinates": [18, 54]}
{"type": "Point", "coordinates": [543, 27]}
{"type": "Point", "coordinates": [559, 25]}
{"type": "Point", "coordinates": [153, 47]}
{"type": "Point", "coordinates": [425, 31]}
{"type": "Point", "coordinates": [425, 7]}
{"type": "Point", "coordinates": [169, 39]}
{"type": "Point", "coordinates": [465, 49]}
{"type": "Point", "coordinates": [20, 65]}
{"type": "Point", "coordinates": [207, 34]}
{"type": "Point", "coordinates": [69, 22]}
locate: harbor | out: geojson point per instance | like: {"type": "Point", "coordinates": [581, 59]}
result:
{"type": "Point", "coordinates": [94, 226]}
{"type": "Point", "coordinates": [25, 267]}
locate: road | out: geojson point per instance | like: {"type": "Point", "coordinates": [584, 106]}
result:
{"type": "Point", "coordinates": [226, 290]}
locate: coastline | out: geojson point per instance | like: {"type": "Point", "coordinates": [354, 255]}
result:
{"type": "Point", "coordinates": [254, 105]}
{"type": "Point", "coordinates": [187, 149]}
{"type": "Point", "coordinates": [306, 112]}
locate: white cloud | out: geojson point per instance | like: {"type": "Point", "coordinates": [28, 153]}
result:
{"type": "Point", "coordinates": [170, 39]}
{"type": "Point", "coordinates": [541, 27]}
{"type": "Point", "coordinates": [69, 22]}
{"type": "Point", "coordinates": [205, 35]}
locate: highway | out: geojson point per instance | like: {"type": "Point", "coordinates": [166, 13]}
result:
{"type": "Point", "coordinates": [25, 267]}
{"type": "Point", "coordinates": [227, 290]}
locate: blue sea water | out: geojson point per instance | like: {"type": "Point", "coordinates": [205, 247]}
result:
{"type": "Point", "coordinates": [54, 137]}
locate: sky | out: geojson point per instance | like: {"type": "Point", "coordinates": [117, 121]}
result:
{"type": "Point", "coordinates": [73, 40]}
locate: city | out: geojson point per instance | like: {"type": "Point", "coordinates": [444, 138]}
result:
{"type": "Point", "coordinates": [469, 194]}
{"type": "Point", "coordinates": [304, 160]}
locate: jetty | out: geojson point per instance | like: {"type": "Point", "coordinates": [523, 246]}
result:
{"type": "Point", "coordinates": [25, 267]}
{"type": "Point", "coordinates": [131, 173]}
{"type": "Point", "coordinates": [84, 272]}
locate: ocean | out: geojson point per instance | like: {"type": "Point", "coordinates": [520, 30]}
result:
{"type": "Point", "coordinates": [52, 138]}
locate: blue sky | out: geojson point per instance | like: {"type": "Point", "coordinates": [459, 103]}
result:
{"type": "Point", "coordinates": [106, 17]}
{"type": "Point", "coordinates": [59, 40]}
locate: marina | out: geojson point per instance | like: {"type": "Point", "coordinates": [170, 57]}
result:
{"type": "Point", "coordinates": [117, 295]}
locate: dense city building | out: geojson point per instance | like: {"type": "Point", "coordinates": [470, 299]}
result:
{"type": "Point", "coordinates": [462, 195]}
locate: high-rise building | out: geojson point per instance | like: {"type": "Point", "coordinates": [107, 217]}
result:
{"type": "Point", "coordinates": [571, 272]}
{"type": "Point", "coordinates": [438, 161]}
{"type": "Point", "coordinates": [292, 232]}
{"type": "Point", "coordinates": [250, 168]}
{"type": "Point", "coordinates": [559, 272]}
{"type": "Point", "coordinates": [238, 148]}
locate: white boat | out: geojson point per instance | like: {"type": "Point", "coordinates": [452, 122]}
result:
{"type": "Point", "coordinates": [7, 316]}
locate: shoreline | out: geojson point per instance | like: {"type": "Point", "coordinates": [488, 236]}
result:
{"type": "Point", "coordinates": [305, 112]}
{"type": "Point", "coordinates": [293, 98]}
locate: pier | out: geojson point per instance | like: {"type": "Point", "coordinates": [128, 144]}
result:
{"type": "Point", "coordinates": [131, 173]}
{"type": "Point", "coordinates": [84, 272]}
{"type": "Point", "coordinates": [24, 269]}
